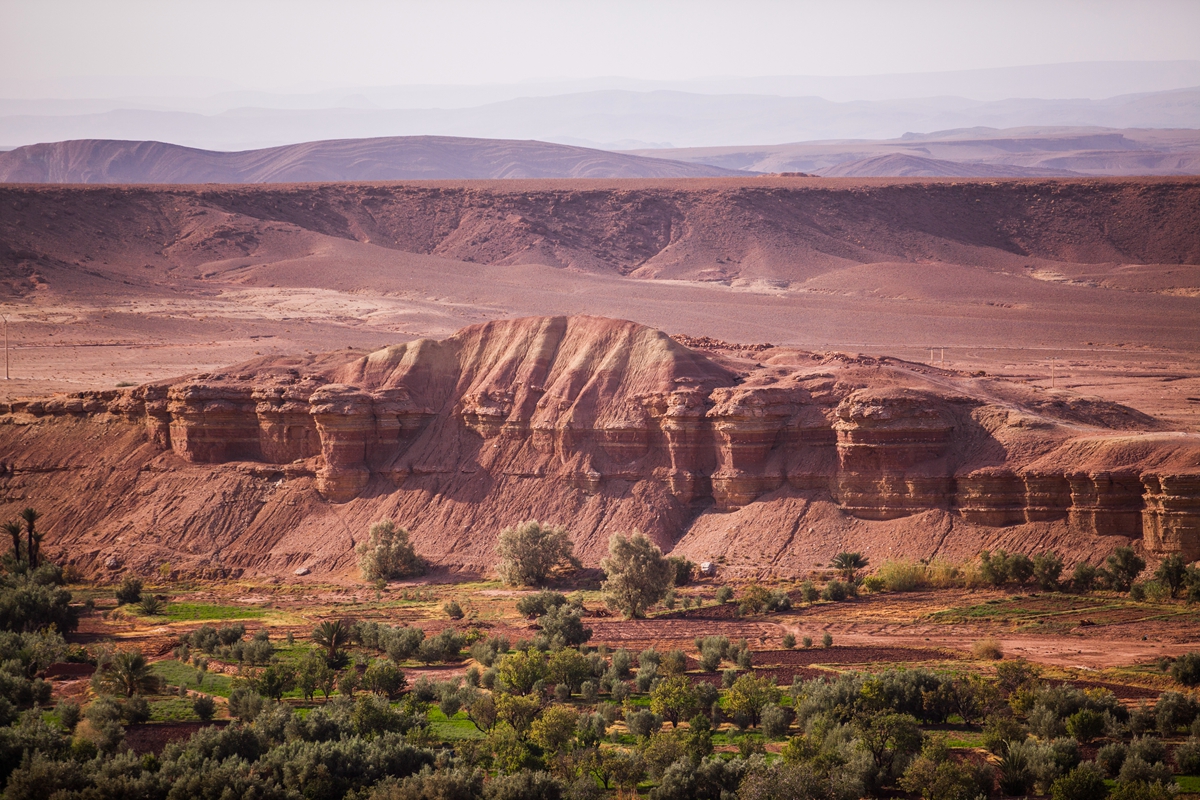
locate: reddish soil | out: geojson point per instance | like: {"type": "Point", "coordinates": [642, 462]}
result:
{"type": "Point", "coordinates": [152, 737]}
{"type": "Point", "coordinates": [1054, 299]}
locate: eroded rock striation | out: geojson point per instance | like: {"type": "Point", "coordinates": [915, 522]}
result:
{"type": "Point", "coordinates": [602, 425]}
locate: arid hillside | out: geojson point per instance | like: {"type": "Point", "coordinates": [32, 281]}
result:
{"type": "Point", "coordinates": [1090, 286]}
{"type": "Point", "coordinates": [391, 158]}
{"type": "Point", "coordinates": [768, 459]}
{"type": "Point", "coordinates": [716, 230]}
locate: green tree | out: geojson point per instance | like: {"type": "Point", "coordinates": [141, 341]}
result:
{"type": "Point", "coordinates": [848, 564]}
{"type": "Point", "coordinates": [1124, 566]}
{"type": "Point", "coordinates": [31, 516]}
{"type": "Point", "coordinates": [674, 699]}
{"type": "Point", "coordinates": [749, 695]}
{"type": "Point", "coordinates": [935, 775]}
{"type": "Point", "coordinates": [384, 678]}
{"type": "Point", "coordinates": [1047, 568]}
{"type": "Point", "coordinates": [314, 674]}
{"type": "Point", "coordinates": [1172, 573]}
{"type": "Point", "coordinates": [531, 553]}
{"type": "Point", "coordinates": [275, 681]}
{"type": "Point", "coordinates": [517, 711]}
{"type": "Point", "coordinates": [891, 740]}
{"type": "Point", "coordinates": [554, 728]}
{"type": "Point", "coordinates": [388, 554]}
{"type": "Point", "coordinates": [638, 575]}
{"type": "Point", "coordinates": [521, 670]}
{"type": "Point", "coordinates": [127, 673]}
{"type": "Point", "coordinates": [333, 635]}
{"type": "Point", "coordinates": [13, 529]}
{"type": "Point", "coordinates": [568, 667]}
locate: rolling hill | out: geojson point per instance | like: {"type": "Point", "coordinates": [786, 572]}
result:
{"type": "Point", "coordinates": [392, 158]}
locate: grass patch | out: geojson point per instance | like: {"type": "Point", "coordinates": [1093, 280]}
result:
{"type": "Point", "coordinates": [195, 612]}
{"type": "Point", "coordinates": [1188, 783]}
{"type": "Point", "coordinates": [176, 673]}
{"type": "Point", "coordinates": [176, 709]}
{"type": "Point", "coordinates": [456, 728]}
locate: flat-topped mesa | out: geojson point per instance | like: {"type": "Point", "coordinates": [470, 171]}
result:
{"type": "Point", "coordinates": [607, 425]}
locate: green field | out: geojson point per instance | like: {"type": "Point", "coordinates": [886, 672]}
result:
{"type": "Point", "coordinates": [177, 673]}
{"type": "Point", "coordinates": [195, 612]}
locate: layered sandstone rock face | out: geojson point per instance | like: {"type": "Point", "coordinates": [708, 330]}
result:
{"type": "Point", "coordinates": [598, 424]}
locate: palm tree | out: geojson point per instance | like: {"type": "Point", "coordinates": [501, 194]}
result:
{"type": "Point", "coordinates": [333, 636]}
{"type": "Point", "coordinates": [848, 564]}
{"type": "Point", "coordinates": [13, 529]}
{"type": "Point", "coordinates": [31, 517]}
{"type": "Point", "coordinates": [129, 674]}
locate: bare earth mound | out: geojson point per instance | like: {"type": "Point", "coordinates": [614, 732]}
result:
{"type": "Point", "coordinates": [769, 462]}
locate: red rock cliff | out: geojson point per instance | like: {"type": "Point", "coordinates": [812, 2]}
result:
{"type": "Point", "coordinates": [601, 425]}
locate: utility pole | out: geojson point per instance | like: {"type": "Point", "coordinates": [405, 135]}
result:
{"type": "Point", "coordinates": [5, 318]}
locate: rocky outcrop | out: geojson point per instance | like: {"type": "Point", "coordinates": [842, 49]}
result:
{"type": "Point", "coordinates": [601, 424]}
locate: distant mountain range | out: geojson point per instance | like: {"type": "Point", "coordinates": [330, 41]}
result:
{"type": "Point", "coordinates": [395, 158]}
{"type": "Point", "coordinates": [611, 119]}
{"type": "Point", "coordinates": [970, 153]}
{"type": "Point", "coordinates": [973, 153]}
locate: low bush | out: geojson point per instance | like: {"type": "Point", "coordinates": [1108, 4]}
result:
{"type": "Point", "coordinates": [988, 649]}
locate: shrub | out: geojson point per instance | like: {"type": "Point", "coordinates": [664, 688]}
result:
{"type": "Point", "coordinates": [848, 565]}
{"type": "Point", "coordinates": [935, 775]}
{"type": "Point", "coordinates": [684, 570]}
{"type": "Point", "coordinates": [1111, 757]}
{"type": "Point", "coordinates": [827, 640]}
{"type": "Point", "coordinates": [68, 714]}
{"type": "Point", "coordinates": [1148, 748]}
{"type": "Point", "coordinates": [809, 593]}
{"type": "Point", "coordinates": [204, 706]}
{"type": "Point", "coordinates": [388, 554]}
{"type": "Point", "coordinates": [835, 591]}
{"type": "Point", "coordinates": [130, 591]}
{"type": "Point", "coordinates": [1083, 579]}
{"type": "Point", "coordinates": [1187, 757]}
{"type": "Point", "coordinates": [642, 723]}
{"type": "Point", "coordinates": [383, 678]}
{"type": "Point", "coordinates": [902, 576]}
{"type": "Point", "coordinates": [987, 649]}
{"type": "Point", "coordinates": [638, 575]}
{"type": "Point", "coordinates": [538, 603]}
{"type": "Point", "coordinates": [453, 610]}
{"type": "Point", "coordinates": [150, 605]}
{"type": "Point", "coordinates": [1186, 669]}
{"type": "Point", "coordinates": [806, 642]}
{"type": "Point", "coordinates": [1085, 724]}
{"type": "Point", "coordinates": [724, 595]}
{"type": "Point", "coordinates": [1143, 791]}
{"type": "Point", "coordinates": [1020, 568]}
{"type": "Point", "coordinates": [564, 626]}
{"type": "Point", "coordinates": [1084, 782]}
{"type": "Point", "coordinates": [776, 720]}
{"type": "Point", "coordinates": [531, 553]}
{"type": "Point", "coordinates": [1124, 566]}
{"type": "Point", "coordinates": [789, 641]}
{"type": "Point", "coordinates": [1047, 568]}
{"type": "Point", "coordinates": [1138, 770]}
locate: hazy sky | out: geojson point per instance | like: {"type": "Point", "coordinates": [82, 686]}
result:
{"type": "Point", "coordinates": [304, 45]}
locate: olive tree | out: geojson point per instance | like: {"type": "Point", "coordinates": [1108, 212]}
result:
{"type": "Point", "coordinates": [638, 575]}
{"type": "Point", "coordinates": [388, 554]}
{"type": "Point", "coordinates": [531, 553]}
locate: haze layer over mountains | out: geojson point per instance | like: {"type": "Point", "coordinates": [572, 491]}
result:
{"type": "Point", "coordinates": [628, 114]}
